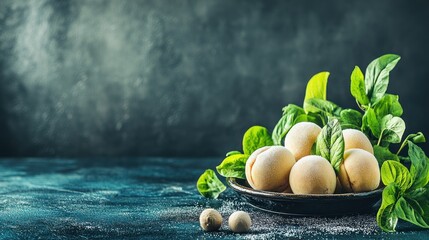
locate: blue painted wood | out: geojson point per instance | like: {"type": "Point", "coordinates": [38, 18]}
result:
{"type": "Point", "coordinates": [146, 198]}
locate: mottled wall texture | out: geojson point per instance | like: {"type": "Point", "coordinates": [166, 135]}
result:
{"type": "Point", "coordinates": [187, 78]}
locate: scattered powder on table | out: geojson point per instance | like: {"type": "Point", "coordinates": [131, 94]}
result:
{"type": "Point", "coordinates": [267, 225]}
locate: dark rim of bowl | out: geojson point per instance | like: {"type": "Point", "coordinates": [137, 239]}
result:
{"type": "Point", "coordinates": [232, 182]}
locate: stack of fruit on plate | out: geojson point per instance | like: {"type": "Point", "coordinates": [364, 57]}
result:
{"type": "Point", "coordinates": [322, 148]}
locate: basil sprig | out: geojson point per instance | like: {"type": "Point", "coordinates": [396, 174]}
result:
{"type": "Point", "coordinates": [235, 162]}
{"type": "Point", "coordinates": [406, 195]}
{"type": "Point", "coordinates": [330, 143]}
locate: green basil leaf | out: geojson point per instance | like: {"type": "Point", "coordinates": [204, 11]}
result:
{"type": "Point", "coordinates": [388, 104]}
{"type": "Point", "coordinates": [392, 128]}
{"type": "Point", "coordinates": [317, 105]}
{"type": "Point", "coordinates": [419, 194]}
{"type": "Point", "coordinates": [254, 138]}
{"type": "Point", "coordinates": [410, 210]}
{"type": "Point", "coordinates": [357, 86]}
{"type": "Point", "coordinates": [209, 185]}
{"type": "Point", "coordinates": [330, 143]}
{"type": "Point", "coordinates": [383, 153]}
{"type": "Point", "coordinates": [370, 121]}
{"type": "Point", "coordinates": [395, 172]}
{"type": "Point", "coordinates": [419, 165]}
{"type": "Point", "coordinates": [404, 159]}
{"type": "Point", "coordinates": [302, 118]}
{"type": "Point", "coordinates": [386, 217]}
{"type": "Point", "coordinates": [377, 76]}
{"type": "Point", "coordinates": [416, 137]}
{"type": "Point", "coordinates": [233, 166]}
{"type": "Point", "coordinates": [316, 86]}
{"type": "Point", "coordinates": [316, 118]}
{"type": "Point", "coordinates": [291, 113]}
{"type": "Point", "coordinates": [230, 153]}
{"type": "Point", "coordinates": [350, 118]}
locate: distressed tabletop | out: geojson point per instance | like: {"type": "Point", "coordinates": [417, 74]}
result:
{"type": "Point", "coordinates": [144, 198]}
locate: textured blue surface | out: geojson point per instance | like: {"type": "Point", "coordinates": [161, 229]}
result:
{"type": "Point", "coordinates": [147, 198]}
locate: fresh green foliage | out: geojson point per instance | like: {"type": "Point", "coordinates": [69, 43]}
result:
{"type": "Point", "coordinates": [316, 89]}
{"type": "Point", "coordinates": [386, 216]}
{"type": "Point", "coordinates": [370, 122]}
{"type": "Point", "coordinates": [357, 87]}
{"type": "Point", "coordinates": [254, 138]}
{"type": "Point", "coordinates": [383, 153]}
{"type": "Point", "coordinates": [410, 210]}
{"type": "Point", "coordinates": [419, 165]}
{"type": "Point", "coordinates": [415, 138]}
{"type": "Point", "coordinates": [230, 153]}
{"type": "Point", "coordinates": [235, 162]}
{"type": "Point", "coordinates": [388, 129]}
{"type": "Point", "coordinates": [233, 166]}
{"type": "Point", "coordinates": [316, 86]}
{"type": "Point", "coordinates": [317, 105]}
{"type": "Point", "coordinates": [350, 118]}
{"type": "Point", "coordinates": [209, 185]}
{"type": "Point", "coordinates": [377, 76]}
{"type": "Point", "coordinates": [388, 104]}
{"type": "Point", "coordinates": [291, 114]}
{"type": "Point", "coordinates": [392, 129]}
{"type": "Point", "coordinates": [321, 109]}
{"type": "Point", "coordinates": [395, 172]}
{"type": "Point", "coordinates": [406, 195]}
{"type": "Point", "coordinates": [330, 143]}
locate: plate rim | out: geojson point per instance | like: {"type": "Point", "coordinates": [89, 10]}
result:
{"type": "Point", "coordinates": [232, 182]}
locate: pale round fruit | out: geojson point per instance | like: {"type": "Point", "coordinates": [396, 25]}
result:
{"type": "Point", "coordinates": [356, 139]}
{"type": "Point", "coordinates": [239, 222]}
{"type": "Point", "coordinates": [210, 220]}
{"type": "Point", "coordinates": [312, 175]}
{"type": "Point", "coordinates": [268, 168]}
{"type": "Point", "coordinates": [359, 171]}
{"type": "Point", "coordinates": [301, 137]}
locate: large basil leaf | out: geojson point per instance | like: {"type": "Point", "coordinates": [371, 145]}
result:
{"type": "Point", "coordinates": [357, 86]}
{"type": "Point", "coordinates": [386, 217]}
{"type": "Point", "coordinates": [388, 104]}
{"type": "Point", "coordinates": [419, 165]}
{"type": "Point", "coordinates": [330, 143]}
{"type": "Point", "coordinates": [233, 166]}
{"type": "Point", "coordinates": [350, 118]}
{"type": "Point", "coordinates": [209, 185]}
{"type": "Point", "coordinates": [291, 114]}
{"type": "Point", "coordinates": [392, 128]}
{"type": "Point", "coordinates": [316, 86]}
{"type": "Point", "coordinates": [377, 76]}
{"type": "Point", "coordinates": [411, 211]}
{"type": "Point", "coordinates": [254, 138]}
{"type": "Point", "coordinates": [383, 153]}
{"type": "Point", "coordinates": [395, 172]}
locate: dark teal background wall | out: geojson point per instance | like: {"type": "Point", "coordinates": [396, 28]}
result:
{"type": "Point", "coordinates": [187, 78]}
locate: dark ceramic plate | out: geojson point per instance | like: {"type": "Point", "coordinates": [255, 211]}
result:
{"type": "Point", "coordinates": [307, 205]}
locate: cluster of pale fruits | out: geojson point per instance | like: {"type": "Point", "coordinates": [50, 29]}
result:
{"type": "Point", "coordinates": [292, 168]}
